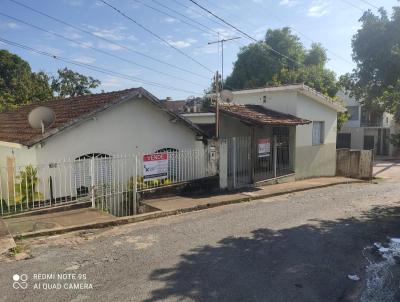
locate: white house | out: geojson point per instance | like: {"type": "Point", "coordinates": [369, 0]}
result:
{"type": "Point", "coordinates": [366, 129]}
{"type": "Point", "coordinates": [122, 122]}
{"type": "Point", "coordinates": [312, 144]}
{"type": "Point", "coordinates": [103, 125]}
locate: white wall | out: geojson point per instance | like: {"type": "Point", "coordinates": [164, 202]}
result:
{"type": "Point", "coordinates": [132, 127]}
{"type": "Point", "coordinates": [282, 101]}
{"type": "Point", "coordinates": [310, 161]}
{"type": "Point", "coordinates": [231, 127]}
{"type": "Point", "coordinates": [200, 118]}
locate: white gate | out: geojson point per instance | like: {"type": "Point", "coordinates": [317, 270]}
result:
{"type": "Point", "coordinates": [109, 183]}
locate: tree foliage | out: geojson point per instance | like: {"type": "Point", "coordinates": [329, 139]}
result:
{"type": "Point", "coordinates": [375, 82]}
{"type": "Point", "coordinates": [19, 85]}
{"type": "Point", "coordinates": [257, 65]}
{"type": "Point", "coordinates": [69, 83]}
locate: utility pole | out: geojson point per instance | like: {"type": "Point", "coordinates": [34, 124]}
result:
{"type": "Point", "coordinates": [217, 95]}
{"type": "Point", "coordinates": [222, 41]}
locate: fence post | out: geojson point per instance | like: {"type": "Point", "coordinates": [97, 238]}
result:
{"type": "Point", "coordinates": [134, 193]}
{"type": "Point", "coordinates": [234, 161]}
{"type": "Point", "coordinates": [275, 155]}
{"type": "Point", "coordinates": [92, 182]}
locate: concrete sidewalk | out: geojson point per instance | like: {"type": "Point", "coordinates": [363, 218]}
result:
{"type": "Point", "coordinates": [6, 240]}
{"type": "Point", "coordinates": [185, 203]}
{"type": "Point", "coordinates": [57, 220]}
{"type": "Point", "coordinates": [81, 219]}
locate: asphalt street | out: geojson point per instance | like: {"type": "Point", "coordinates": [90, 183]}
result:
{"type": "Point", "coordinates": [295, 247]}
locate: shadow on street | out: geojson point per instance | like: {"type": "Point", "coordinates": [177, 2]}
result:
{"type": "Point", "coordinates": [305, 263]}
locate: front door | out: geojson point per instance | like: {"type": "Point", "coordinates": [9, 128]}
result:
{"type": "Point", "coordinates": [272, 157]}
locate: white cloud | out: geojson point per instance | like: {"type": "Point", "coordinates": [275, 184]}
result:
{"type": "Point", "coordinates": [12, 25]}
{"type": "Point", "coordinates": [288, 3]}
{"type": "Point", "coordinates": [207, 49]}
{"type": "Point", "coordinates": [318, 9]}
{"type": "Point", "coordinates": [170, 20]}
{"type": "Point", "coordinates": [258, 1]}
{"type": "Point", "coordinates": [84, 44]}
{"type": "Point", "coordinates": [71, 33]}
{"type": "Point", "coordinates": [109, 46]}
{"type": "Point", "coordinates": [115, 33]}
{"type": "Point", "coordinates": [85, 60]}
{"type": "Point", "coordinates": [9, 25]}
{"type": "Point", "coordinates": [223, 32]}
{"type": "Point", "coordinates": [182, 43]}
{"type": "Point", "coordinates": [114, 83]}
{"type": "Point", "coordinates": [75, 3]}
{"type": "Point", "coordinates": [49, 49]}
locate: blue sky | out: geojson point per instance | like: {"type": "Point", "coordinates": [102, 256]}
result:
{"type": "Point", "coordinates": [327, 21]}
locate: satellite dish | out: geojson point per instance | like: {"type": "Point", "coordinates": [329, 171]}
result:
{"type": "Point", "coordinates": [41, 117]}
{"type": "Point", "coordinates": [227, 96]}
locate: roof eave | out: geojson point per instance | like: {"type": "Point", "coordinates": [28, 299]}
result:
{"type": "Point", "coordinates": [81, 119]}
{"type": "Point", "coordinates": [140, 92]}
{"type": "Point", "coordinates": [257, 123]}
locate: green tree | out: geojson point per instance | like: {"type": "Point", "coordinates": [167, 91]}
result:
{"type": "Point", "coordinates": [257, 65]}
{"type": "Point", "coordinates": [316, 55]}
{"type": "Point", "coordinates": [375, 82]}
{"type": "Point", "coordinates": [18, 84]}
{"type": "Point", "coordinates": [69, 83]}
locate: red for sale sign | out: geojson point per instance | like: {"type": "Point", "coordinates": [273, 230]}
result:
{"type": "Point", "coordinates": [155, 166]}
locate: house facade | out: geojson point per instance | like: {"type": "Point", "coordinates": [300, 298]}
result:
{"type": "Point", "coordinates": [311, 145]}
{"type": "Point", "coordinates": [98, 139]}
{"type": "Point", "coordinates": [366, 129]}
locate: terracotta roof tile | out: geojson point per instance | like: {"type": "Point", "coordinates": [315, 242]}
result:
{"type": "Point", "coordinates": [259, 115]}
{"type": "Point", "coordinates": [15, 128]}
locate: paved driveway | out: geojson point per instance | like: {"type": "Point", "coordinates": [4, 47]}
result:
{"type": "Point", "coordinates": [295, 247]}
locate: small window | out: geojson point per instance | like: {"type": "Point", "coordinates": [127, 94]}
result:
{"type": "Point", "coordinates": [353, 113]}
{"type": "Point", "coordinates": [318, 133]}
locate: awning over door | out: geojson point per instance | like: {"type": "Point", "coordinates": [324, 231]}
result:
{"type": "Point", "coordinates": [260, 116]}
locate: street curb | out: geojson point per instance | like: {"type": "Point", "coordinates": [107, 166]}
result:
{"type": "Point", "coordinates": [160, 214]}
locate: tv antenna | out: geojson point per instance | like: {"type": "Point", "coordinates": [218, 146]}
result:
{"type": "Point", "coordinates": [222, 41]}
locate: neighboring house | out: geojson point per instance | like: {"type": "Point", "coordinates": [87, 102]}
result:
{"type": "Point", "coordinates": [183, 106]}
{"type": "Point", "coordinates": [296, 118]}
{"type": "Point", "coordinates": [366, 130]}
{"type": "Point", "coordinates": [204, 120]}
{"type": "Point", "coordinates": [122, 122]}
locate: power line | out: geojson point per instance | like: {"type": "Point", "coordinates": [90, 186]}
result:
{"type": "Point", "coordinates": [97, 50]}
{"type": "Point", "coordinates": [370, 4]}
{"type": "Point", "coordinates": [94, 67]}
{"type": "Point", "coordinates": [208, 18]}
{"type": "Point", "coordinates": [353, 5]}
{"type": "Point", "coordinates": [182, 15]}
{"type": "Point", "coordinates": [156, 35]}
{"type": "Point", "coordinates": [107, 40]}
{"type": "Point", "coordinates": [305, 36]}
{"type": "Point", "coordinates": [198, 13]}
{"type": "Point", "coordinates": [171, 16]}
{"type": "Point", "coordinates": [244, 33]}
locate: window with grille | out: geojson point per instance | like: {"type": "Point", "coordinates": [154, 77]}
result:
{"type": "Point", "coordinates": [318, 133]}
